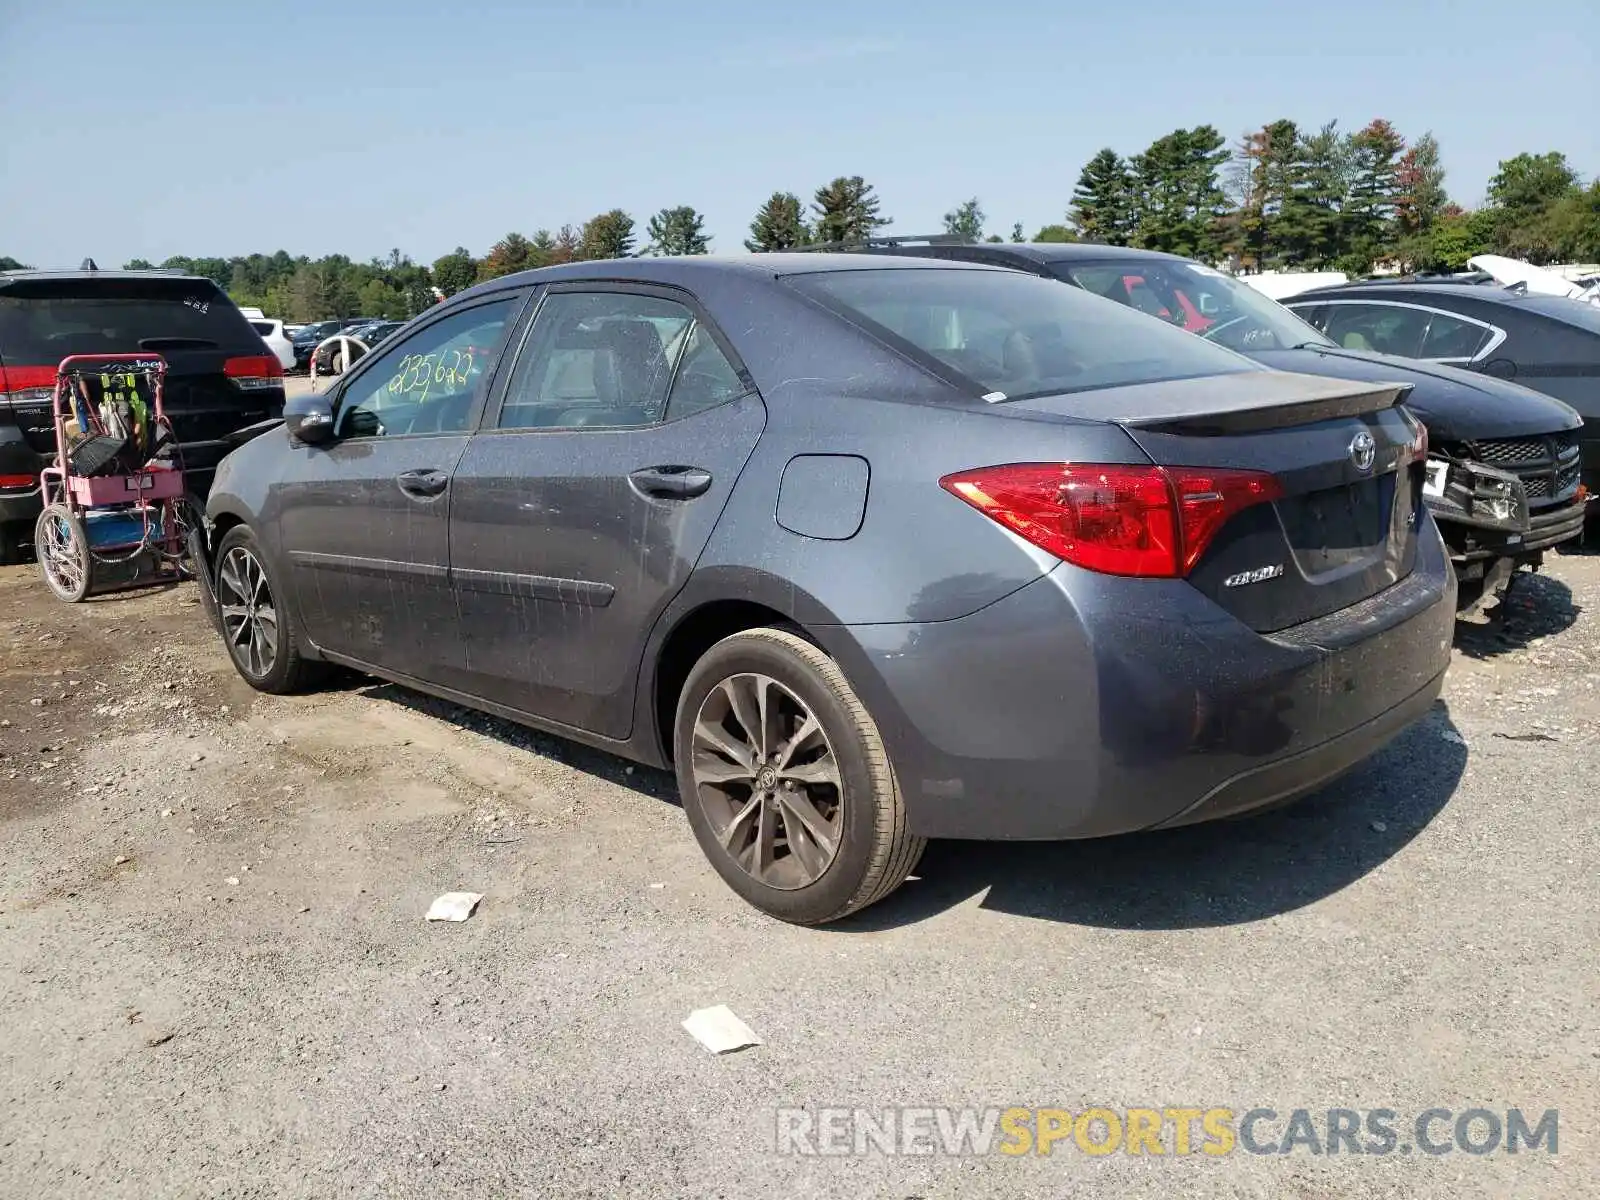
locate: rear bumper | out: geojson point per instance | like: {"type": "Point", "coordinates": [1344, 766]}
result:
{"type": "Point", "coordinates": [19, 507]}
{"type": "Point", "coordinates": [1081, 706]}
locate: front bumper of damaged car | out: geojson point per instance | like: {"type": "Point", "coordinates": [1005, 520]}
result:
{"type": "Point", "coordinates": [1489, 525]}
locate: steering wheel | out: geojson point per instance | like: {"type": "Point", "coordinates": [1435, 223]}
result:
{"type": "Point", "coordinates": [1210, 334]}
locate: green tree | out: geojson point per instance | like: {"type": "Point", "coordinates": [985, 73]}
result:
{"type": "Point", "coordinates": [608, 235]}
{"type": "Point", "coordinates": [7, 263]}
{"type": "Point", "coordinates": [1523, 195]}
{"type": "Point", "coordinates": [1259, 183]}
{"type": "Point", "coordinates": [510, 254]}
{"type": "Point", "coordinates": [1420, 201]}
{"type": "Point", "coordinates": [965, 221]}
{"type": "Point", "coordinates": [568, 245]}
{"type": "Point", "coordinates": [1574, 225]}
{"type": "Point", "coordinates": [1370, 230]}
{"type": "Point", "coordinates": [1102, 202]}
{"type": "Point", "coordinates": [1016, 232]}
{"type": "Point", "coordinates": [676, 231]}
{"type": "Point", "coordinates": [133, 264]}
{"type": "Point", "coordinates": [455, 272]}
{"type": "Point", "coordinates": [1419, 184]}
{"type": "Point", "coordinates": [780, 225]}
{"type": "Point", "coordinates": [847, 211]}
{"type": "Point", "coordinates": [1309, 231]}
{"type": "Point", "coordinates": [542, 248]}
{"type": "Point", "coordinates": [1055, 233]}
{"type": "Point", "coordinates": [1452, 238]}
{"type": "Point", "coordinates": [1180, 203]}
{"type": "Point", "coordinates": [379, 299]}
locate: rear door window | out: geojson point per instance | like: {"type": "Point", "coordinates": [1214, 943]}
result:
{"type": "Point", "coordinates": [43, 321]}
{"type": "Point", "coordinates": [1454, 339]}
{"type": "Point", "coordinates": [1384, 328]}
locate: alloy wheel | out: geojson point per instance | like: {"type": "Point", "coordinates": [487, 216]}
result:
{"type": "Point", "coordinates": [249, 615]}
{"type": "Point", "coordinates": [768, 781]}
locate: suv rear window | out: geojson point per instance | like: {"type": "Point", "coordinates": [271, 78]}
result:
{"type": "Point", "coordinates": [42, 321]}
{"type": "Point", "coordinates": [1013, 334]}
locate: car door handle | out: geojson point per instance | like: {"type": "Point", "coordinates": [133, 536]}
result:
{"type": "Point", "coordinates": [671, 483]}
{"type": "Point", "coordinates": [423, 482]}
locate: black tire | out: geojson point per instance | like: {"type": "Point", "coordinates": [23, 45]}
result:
{"type": "Point", "coordinates": [62, 546]}
{"type": "Point", "coordinates": [284, 670]}
{"type": "Point", "coordinates": [875, 850]}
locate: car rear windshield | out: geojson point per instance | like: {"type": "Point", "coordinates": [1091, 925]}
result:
{"type": "Point", "coordinates": [1015, 335]}
{"type": "Point", "coordinates": [1197, 298]}
{"type": "Point", "coordinates": [43, 321]}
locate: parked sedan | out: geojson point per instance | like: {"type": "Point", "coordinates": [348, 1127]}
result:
{"type": "Point", "coordinates": [867, 550]}
{"type": "Point", "coordinates": [1503, 478]}
{"type": "Point", "coordinates": [1548, 343]}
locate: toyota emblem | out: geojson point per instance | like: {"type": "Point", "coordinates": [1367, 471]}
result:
{"type": "Point", "coordinates": [1363, 451]}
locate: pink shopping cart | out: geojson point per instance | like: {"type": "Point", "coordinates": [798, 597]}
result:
{"type": "Point", "coordinates": [115, 505]}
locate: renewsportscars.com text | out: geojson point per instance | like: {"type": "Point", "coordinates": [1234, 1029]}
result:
{"type": "Point", "coordinates": [1166, 1131]}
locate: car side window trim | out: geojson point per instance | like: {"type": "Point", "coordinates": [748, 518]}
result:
{"type": "Point", "coordinates": [519, 298]}
{"type": "Point", "coordinates": [489, 423]}
{"type": "Point", "coordinates": [1497, 335]}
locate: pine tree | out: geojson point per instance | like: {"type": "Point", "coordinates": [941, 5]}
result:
{"type": "Point", "coordinates": [1369, 210]}
{"type": "Point", "coordinates": [510, 254]}
{"type": "Point", "coordinates": [1309, 229]}
{"type": "Point", "coordinates": [847, 211]}
{"type": "Point", "coordinates": [779, 225]}
{"type": "Point", "coordinates": [965, 221]}
{"type": "Point", "coordinates": [1016, 233]}
{"type": "Point", "coordinates": [1180, 204]}
{"type": "Point", "coordinates": [678, 230]}
{"type": "Point", "coordinates": [568, 246]}
{"type": "Point", "coordinates": [608, 235]}
{"type": "Point", "coordinates": [1102, 203]}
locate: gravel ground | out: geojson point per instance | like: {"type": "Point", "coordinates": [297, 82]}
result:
{"type": "Point", "coordinates": [218, 981]}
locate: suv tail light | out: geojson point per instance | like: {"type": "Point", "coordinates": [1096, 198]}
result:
{"type": "Point", "coordinates": [26, 385]}
{"type": "Point", "coordinates": [1152, 522]}
{"type": "Point", "coordinates": [254, 371]}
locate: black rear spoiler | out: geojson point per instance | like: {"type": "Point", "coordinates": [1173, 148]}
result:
{"type": "Point", "coordinates": [1216, 405]}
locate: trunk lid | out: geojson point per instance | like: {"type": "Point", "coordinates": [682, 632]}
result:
{"type": "Point", "coordinates": [1345, 455]}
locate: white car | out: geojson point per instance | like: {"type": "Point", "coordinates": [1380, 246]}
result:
{"type": "Point", "coordinates": [277, 341]}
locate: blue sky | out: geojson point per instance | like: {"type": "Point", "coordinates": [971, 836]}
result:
{"type": "Point", "coordinates": [358, 126]}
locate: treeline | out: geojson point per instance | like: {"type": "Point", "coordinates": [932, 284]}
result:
{"type": "Point", "coordinates": [1282, 198]}
{"type": "Point", "coordinates": [1287, 197]}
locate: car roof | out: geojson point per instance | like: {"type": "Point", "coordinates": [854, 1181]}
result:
{"type": "Point", "coordinates": [685, 270]}
{"type": "Point", "coordinates": [1431, 287]}
{"type": "Point", "coordinates": [1030, 252]}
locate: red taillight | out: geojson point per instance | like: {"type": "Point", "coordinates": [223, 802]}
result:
{"type": "Point", "coordinates": [18, 481]}
{"type": "Point", "coordinates": [253, 371]}
{"type": "Point", "coordinates": [1419, 444]}
{"type": "Point", "coordinates": [26, 384]}
{"type": "Point", "coordinates": [1118, 520]}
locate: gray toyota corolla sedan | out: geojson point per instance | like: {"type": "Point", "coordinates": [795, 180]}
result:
{"type": "Point", "coordinates": [867, 550]}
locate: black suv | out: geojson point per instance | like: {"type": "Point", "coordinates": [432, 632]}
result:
{"type": "Point", "coordinates": [220, 375]}
{"type": "Point", "coordinates": [1502, 477]}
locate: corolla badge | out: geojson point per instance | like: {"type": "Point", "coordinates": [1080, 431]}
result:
{"type": "Point", "coordinates": [1363, 451]}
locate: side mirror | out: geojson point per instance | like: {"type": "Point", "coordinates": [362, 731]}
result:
{"type": "Point", "coordinates": [309, 419]}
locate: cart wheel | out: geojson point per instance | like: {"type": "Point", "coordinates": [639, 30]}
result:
{"type": "Point", "coordinates": [62, 547]}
